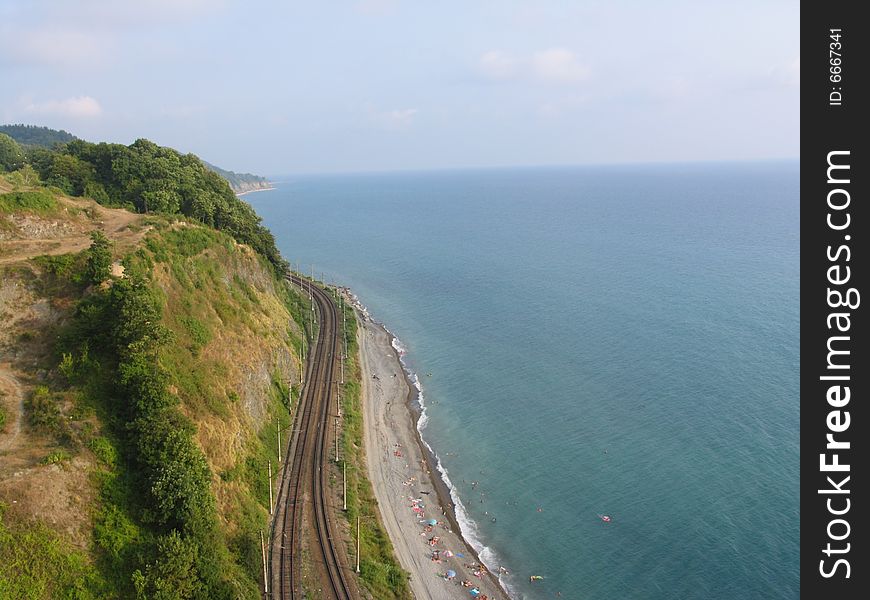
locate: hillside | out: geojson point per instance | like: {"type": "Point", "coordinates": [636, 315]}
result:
{"type": "Point", "coordinates": [139, 404]}
{"type": "Point", "coordinates": [149, 353]}
{"type": "Point", "coordinates": [44, 137]}
{"type": "Point", "coordinates": [34, 135]}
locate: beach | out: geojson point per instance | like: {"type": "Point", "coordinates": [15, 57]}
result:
{"type": "Point", "coordinates": [266, 189]}
{"type": "Point", "coordinates": [408, 488]}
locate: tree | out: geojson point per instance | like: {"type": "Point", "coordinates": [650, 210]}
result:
{"type": "Point", "coordinates": [174, 575]}
{"type": "Point", "coordinates": [95, 191]}
{"type": "Point", "coordinates": [99, 258]}
{"type": "Point", "coordinates": [28, 175]}
{"type": "Point", "coordinates": [11, 156]}
{"type": "Point", "coordinates": [71, 174]}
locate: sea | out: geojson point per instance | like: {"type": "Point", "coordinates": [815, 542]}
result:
{"type": "Point", "coordinates": [591, 342]}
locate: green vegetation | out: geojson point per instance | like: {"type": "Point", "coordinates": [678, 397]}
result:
{"type": "Point", "coordinates": [43, 137]}
{"type": "Point", "coordinates": [39, 201]}
{"type": "Point", "coordinates": [379, 570]}
{"type": "Point", "coordinates": [36, 563]}
{"type": "Point", "coordinates": [56, 457]}
{"type": "Point", "coordinates": [11, 154]}
{"type": "Point", "coordinates": [165, 479]}
{"type": "Point", "coordinates": [43, 409]}
{"type": "Point", "coordinates": [147, 178]}
{"type": "Point", "coordinates": [63, 275]}
{"type": "Point", "coordinates": [32, 135]}
{"type": "Point", "coordinates": [99, 258]}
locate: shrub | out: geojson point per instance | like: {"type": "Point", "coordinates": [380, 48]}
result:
{"type": "Point", "coordinates": [104, 451]}
{"type": "Point", "coordinates": [172, 576]}
{"type": "Point", "coordinates": [42, 410]}
{"type": "Point", "coordinates": [99, 258]}
{"type": "Point", "coordinates": [56, 457]}
{"type": "Point", "coordinates": [38, 201]}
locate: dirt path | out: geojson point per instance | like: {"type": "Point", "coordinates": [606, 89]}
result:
{"type": "Point", "coordinates": [114, 222]}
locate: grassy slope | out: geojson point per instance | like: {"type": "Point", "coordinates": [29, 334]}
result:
{"type": "Point", "coordinates": [235, 349]}
{"type": "Point", "coordinates": [232, 351]}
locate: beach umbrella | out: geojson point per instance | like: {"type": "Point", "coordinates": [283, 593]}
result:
{"type": "Point", "coordinates": [447, 553]}
{"type": "Point", "coordinates": [474, 592]}
{"type": "Point", "coordinates": [432, 522]}
{"type": "Point", "coordinates": [451, 573]}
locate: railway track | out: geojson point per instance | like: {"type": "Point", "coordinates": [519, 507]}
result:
{"type": "Point", "coordinates": [304, 492]}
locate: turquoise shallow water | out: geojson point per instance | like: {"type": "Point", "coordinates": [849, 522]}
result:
{"type": "Point", "coordinates": [602, 340]}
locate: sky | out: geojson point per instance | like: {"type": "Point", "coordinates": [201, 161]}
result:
{"type": "Point", "coordinates": [379, 85]}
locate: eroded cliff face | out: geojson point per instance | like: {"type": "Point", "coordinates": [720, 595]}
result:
{"type": "Point", "coordinates": [243, 187]}
{"type": "Point", "coordinates": [232, 355]}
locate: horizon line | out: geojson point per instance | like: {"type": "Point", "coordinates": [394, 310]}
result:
{"type": "Point", "coordinates": [640, 163]}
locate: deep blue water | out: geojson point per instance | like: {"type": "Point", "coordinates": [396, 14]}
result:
{"type": "Point", "coordinates": [602, 340]}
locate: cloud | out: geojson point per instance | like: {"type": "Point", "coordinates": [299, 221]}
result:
{"type": "Point", "coordinates": [86, 33]}
{"type": "Point", "coordinates": [53, 47]}
{"type": "Point", "coordinates": [76, 107]}
{"type": "Point", "coordinates": [559, 66]}
{"type": "Point", "coordinates": [90, 15]}
{"type": "Point", "coordinates": [558, 107]}
{"type": "Point", "coordinates": [376, 7]}
{"type": "Point", "coordinates": [786, 75]}
{"type": "Point", "coordinates": [400, 117]}
{"type": "Point", "coordinates": [670, 87]}
{"type": "Point", "coordinates": [554, 65]}
{"type": "Point", "coordinates": [497, 65]}
{"type": "Point", "coordinates": [793, 72]}
{"type": "Point", "coordinates": [396, 119]}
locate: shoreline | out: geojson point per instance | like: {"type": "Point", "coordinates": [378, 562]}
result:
{"type": "Point", "coordinates": [265, 189]}
{"type": "Point", "coordinates": [404, 424]}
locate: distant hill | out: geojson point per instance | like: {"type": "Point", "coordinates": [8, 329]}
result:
{"type": "Point", "coordinates": [44, 137]}
{"type": "Point", "coordinates": [240, 182]}
{"type": "Point", "coordinates": [33, 135]}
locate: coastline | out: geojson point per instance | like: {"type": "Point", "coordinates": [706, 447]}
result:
{"type": "Point", "coordinates": [265, 189]}
{"type": "Point", "coordinates": [402, 467]}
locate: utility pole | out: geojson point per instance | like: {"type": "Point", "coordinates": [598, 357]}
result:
{"type": "Point", "coordinates": [336, 440]}
{"type": "Point", "coordinates": [344, 485]}
{"type": "Point", "coordinates": [357, 543]}
{"type": "Point", "coordinates": [270, 487]}
{"type": "Point", "coordinates": [265, 578]}
{"type": "Point", "coordinates": [278, 429]}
